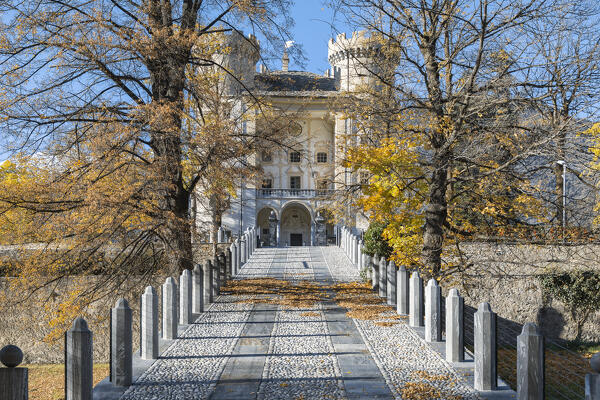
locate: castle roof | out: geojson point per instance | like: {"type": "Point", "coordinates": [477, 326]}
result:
{"type": "Point", "coordinates": [294, 83]}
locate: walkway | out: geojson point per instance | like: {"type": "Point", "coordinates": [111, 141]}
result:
{"type": "Point", "coordinates": [254, 346]}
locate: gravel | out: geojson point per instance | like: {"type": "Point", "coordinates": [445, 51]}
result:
{"type": "Point", "coordinates": [399, 352]}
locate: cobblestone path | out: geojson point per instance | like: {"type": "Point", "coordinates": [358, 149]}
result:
{"type": "Point", "coordinates": [240, 349]}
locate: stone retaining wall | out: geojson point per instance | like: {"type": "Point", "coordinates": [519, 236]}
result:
{"type": "Point", "coordinates": [506, 276]}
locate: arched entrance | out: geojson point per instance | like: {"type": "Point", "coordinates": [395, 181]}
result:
{"type": "Point", "coordinates": [295, 225]}
{"type": "Point", "coordinates": [262, 220]}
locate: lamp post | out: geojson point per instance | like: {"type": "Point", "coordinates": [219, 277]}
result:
{"type": "Point", "coordinates": [563, 164]}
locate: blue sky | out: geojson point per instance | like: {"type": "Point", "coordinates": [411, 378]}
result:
{"type": "Point", "coordinates": [312, 30]}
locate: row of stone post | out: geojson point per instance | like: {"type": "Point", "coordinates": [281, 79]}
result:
{"type": "Point", "coordinates": [424, 308]}
{"type": "Point", "coordinates": [352, 246]}
{"type": "Point", "coordinates": [179, 302]}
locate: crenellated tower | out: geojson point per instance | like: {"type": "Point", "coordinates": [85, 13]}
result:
{"type": "Point", "coordinates": [355, 60]}
{"type": "Point", "coordinates": [239, 56]}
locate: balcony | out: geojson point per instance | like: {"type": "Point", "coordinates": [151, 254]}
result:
{"type": "Point", "coordinates": [292, 193]}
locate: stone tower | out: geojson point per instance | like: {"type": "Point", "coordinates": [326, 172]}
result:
{"type": "Point", "coordinates": [354, 60]}
{"type": "Point", "coordinates": [239, 56]}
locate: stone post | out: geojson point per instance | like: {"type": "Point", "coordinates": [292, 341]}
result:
{"type": "Point", "coordinates": [592, 381]}
{"type": "Point", "coordinates": [149, 325]}
{"type": "Point", "coordinates": [185, 297]}
{"type": "Point", "coordinates": [13, 381]}
{"type": "Point", "coordinates": [229, 264]}
{"type": "Point", "coordinates": [197, 290]}
{"type": "Point", "coordinates": [220, 235]}
{"type": "Point", "coordinates": [215, 277]}
{"type": "Point", "coordinates": [455, 349]}
{"type": "Point", "coordinates": [416, 300]}
{"type": "Point", "coordinates": [375, 273]}
{"type": "Point", "coordinates": [121, 350]}
{"type": "Point", "coordinates": [530, 363]}
{"type": "Point", "coordinates": [433, 312]}
{"type": "Point", "coordinates": [207, 281]}
{"type": "Point", "coordinates": [169, 309]}
{"type": "Point", "coordinates": [243, 252]}
{"type": "Point", "coordinates": [222, 270]}
{"type": "Point", "coordinates": [356, 252]}
{"type": "Point", "coordinates": [382, 277]}
{"type": "Point", "coordinates": [391, 283]}
{"type": "Point", "coordinates": [361, 256]}
{"type": "Point", "coordinates": [234, 259]}
{"type": "Point", "coordinates": [402, 291]}
{"type": "Point", "coordinates": [78, 361]}
{"type": "Point", "coordinates": [273, 229]}
{"type": "Point", "coordinates": [320, 230]}
{"type": "Point", "coordinates": [486, 377]}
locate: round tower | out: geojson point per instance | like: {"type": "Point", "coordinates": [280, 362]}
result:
{"type": "Point", "coordinates": [239, 56]}
{"type": "Point", "coordinates": [355, 60]}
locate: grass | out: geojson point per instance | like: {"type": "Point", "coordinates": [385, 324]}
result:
{"type": "Point", "coordinates": [47, 381]}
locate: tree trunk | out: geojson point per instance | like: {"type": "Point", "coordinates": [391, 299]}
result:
{"type": "Point", "coordinates": [436, 213]}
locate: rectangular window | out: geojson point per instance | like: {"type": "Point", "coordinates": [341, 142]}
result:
{"type": "Point", "coordinates": [364, 178]}
{"type": "Point", "coordinates": [321, 157]}
{"type": "Point", "coordinates": [295, 156]}
{"type": "Point", "coordinates": [294, 182]}
{"type": "Point", "coordinates": [267, 183]}
{"type": "Point", "coordinates": [323, 184]}
{"type": "Point", "coordinates": [266, 156]}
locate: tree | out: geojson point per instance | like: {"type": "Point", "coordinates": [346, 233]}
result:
{"type": "Point", "coordinates": [464, 129]}
{"type": "Point", "coordinates": [107, 90]}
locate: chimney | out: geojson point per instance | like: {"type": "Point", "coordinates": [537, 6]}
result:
{"type": "Point", "coordinates": [285, 61]}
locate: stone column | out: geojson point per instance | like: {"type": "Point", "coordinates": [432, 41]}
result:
{"type": "Point", "coordinates": [402, 291]}
{"type": "Point", "coordinates": [416, 300]}
{"type": "Point", "coordinates": [121, 350]}
{"type": "Point", "coordinates": [455, 348]}
{"type": "Point", "coordinates": [78, 361]}
{"type": "Point", "coordinates": [169, 309]}
{"type": "Point", "coordinates": [391, 283]}
{"type": "Point", "coordinates": [207, 281]}
{"type": "Point", "coordinates": [13, 381]}
{"type": "Point", "coordinates": [486, 377]}
{"type": "Point", "coordinates": [382, 277]}
{"type": "Point", "coordinates": [185, 297]}
{"type": "Point", "coordinates": [592, 381]}
{"type": "Point", "coordinates": [149, 325]}
{"type": "Point", "coordinates": [220, 235]}
{"type": "Point", "coordinates": [433, 312]}
{"type": "Point", "coordinates": [197, 290]}
{"type": "Point", "coordinates": [530, 363]}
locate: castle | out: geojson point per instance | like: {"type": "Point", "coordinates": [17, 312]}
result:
{"type": "Point", "coordinates": [297, 182]}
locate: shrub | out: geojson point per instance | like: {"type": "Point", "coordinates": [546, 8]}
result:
{"type": "Point", "coordinates": [578, 290]}
{"type": "Point", "coordinates": [374, 243]}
